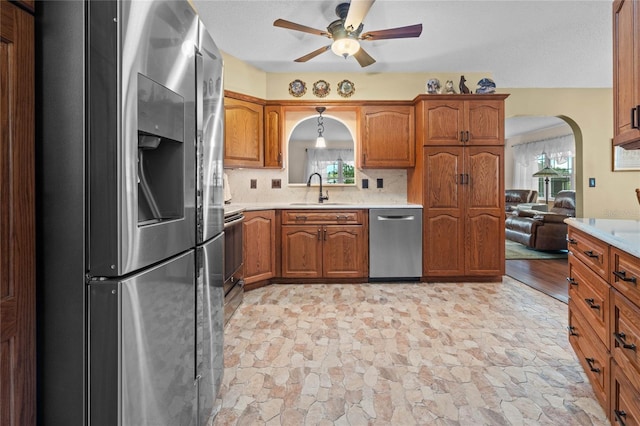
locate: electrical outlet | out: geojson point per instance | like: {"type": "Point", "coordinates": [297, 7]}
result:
{"type": "Point", "coordinates": [379, 183]}
{"type": "Point", "coordinates": [254, 183]}
{"type": "Point", "coordinates": [592, 182]}
{"type": "Point", "coordinates": [365, 183]}
{"type": "Point", "coordinates": [276, 183]}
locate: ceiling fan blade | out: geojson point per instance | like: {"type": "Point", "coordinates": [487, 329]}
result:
{"type": "Point", "coordinates": [363, 58]}
{"type": "Point", "coordinates": [400, 32]}
{"type": "Point", "coordinates": [358, 9]}
{"type": "Point", "coordinates": [297, 27]}
{"type": "Point", "coordinates": [313, 54]}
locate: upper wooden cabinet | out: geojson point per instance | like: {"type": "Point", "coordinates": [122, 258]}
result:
{"type": "Point", "coordinates": [273, 136]}
{"type": "Point", "coordinates": [387, 136]}
{"type": "Point", "coordinates": [626, 73]}
{"type": "Point", "coordinates": [460, 119]}
{"type": "Point", "coordinates": [244, 133]}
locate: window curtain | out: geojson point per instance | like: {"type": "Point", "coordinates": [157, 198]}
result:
{"type": "Point", "coordinates": [526, 157]}
{"type": "Point", "coordinates": [319, 158]}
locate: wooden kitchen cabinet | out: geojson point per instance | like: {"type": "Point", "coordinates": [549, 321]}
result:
{"type": "Point", "coordinates": [273, 136]}
{"type": "Point", "coordinates": [604, 322]}
{"type": "Point", "coordinates": [387, 136]}
{"type": "Point", "coordinates": [324, 244]}
{"type": "Point", "coordinates": [460, 119]}
{"type": "Point", "coordinates": [244, 132]}
{"type": "Point", "coordinates": [259, 245]}
{"type": "Point", "coordinates": [463, 231]}
{"type": "Point", "coordinates": [626, 73]}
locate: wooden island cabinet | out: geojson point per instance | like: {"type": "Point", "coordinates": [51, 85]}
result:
{"type": "Point", "coordinates": [604, 318]}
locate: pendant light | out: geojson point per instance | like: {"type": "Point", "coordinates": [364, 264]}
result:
{"type": "Point", "coordinates": [320, 142]}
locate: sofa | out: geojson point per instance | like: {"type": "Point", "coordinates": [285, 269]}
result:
{"type": "Point", "coordinates": [513, 197]}
{"type": "Point", "coordinates": [543, 230]}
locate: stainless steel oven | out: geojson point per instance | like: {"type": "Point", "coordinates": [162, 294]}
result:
{"type": "Point", "coordinates": [233, 276]}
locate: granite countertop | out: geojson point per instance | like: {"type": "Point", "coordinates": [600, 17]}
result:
{"type": "Point", "coordinates": [622, 234]}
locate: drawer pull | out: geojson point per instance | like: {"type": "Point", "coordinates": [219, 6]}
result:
{"type": "Point", "coordinates": [301, 218]}
{"type": "Point", "coordinates": [591, 303]}
{"type": "Point", "coordinates": [623, 276]}
{"type": "Point", "coordinates": [591, 361]}
{"type": "Point", "coordinates": [620, 339]}
{"type": "Point", "coordinates": [342, 217]}
{"type": "Point", "coordinates": [619, 415]}
{"type": "Point", "coordinates": [590, 253]}
{"type": "Point", "coordinates": [572, 241]}
{"type": "Point", "coordinates": [572, 331]}
{"type": "Point", "coordinates": [572, 281]}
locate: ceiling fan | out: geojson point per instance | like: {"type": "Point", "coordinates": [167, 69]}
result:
{"type": "Point", "coordinates": [346, 32]}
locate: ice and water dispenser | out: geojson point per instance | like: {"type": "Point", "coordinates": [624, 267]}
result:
{"type": "Point", "coordinates": [160, 153]}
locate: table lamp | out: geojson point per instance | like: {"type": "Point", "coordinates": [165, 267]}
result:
{"type": "Point", "coordinates": [546, 173]}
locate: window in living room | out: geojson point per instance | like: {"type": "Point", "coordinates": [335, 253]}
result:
{"type": "Point", "coordinates": [564, 181]}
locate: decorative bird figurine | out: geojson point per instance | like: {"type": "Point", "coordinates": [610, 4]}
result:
{"type": "Point", "coordinates": [463, 87]}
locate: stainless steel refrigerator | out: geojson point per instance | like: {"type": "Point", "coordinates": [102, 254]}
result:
{"type": "Point", "coordinates": [131, 287]}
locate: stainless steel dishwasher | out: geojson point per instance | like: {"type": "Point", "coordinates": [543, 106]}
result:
{"type": "Point", "coordinates": [395, 244]}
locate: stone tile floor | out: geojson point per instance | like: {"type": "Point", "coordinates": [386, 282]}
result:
{"type": "Point", "coordinates": [402, 354]}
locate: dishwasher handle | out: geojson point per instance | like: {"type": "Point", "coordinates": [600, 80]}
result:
{"type": "Point", "coordinates": [408, 217]}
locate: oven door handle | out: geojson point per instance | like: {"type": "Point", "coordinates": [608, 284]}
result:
{"type": "Point", "coordinates": [233, 222]}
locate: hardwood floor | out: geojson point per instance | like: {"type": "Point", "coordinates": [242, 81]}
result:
{"type": "Point", "coordinates": [546, 275]}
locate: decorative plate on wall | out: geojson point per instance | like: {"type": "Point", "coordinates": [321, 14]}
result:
{"type": "Point", "coordinates": [346, 88]}
{"type": "Point", "coordinates": [321, 88]}
{"type": "Point", "coordinates": [297, 88]}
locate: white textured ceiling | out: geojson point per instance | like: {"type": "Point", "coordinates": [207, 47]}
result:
{"type": "Point", "coordinates": [522, 43]}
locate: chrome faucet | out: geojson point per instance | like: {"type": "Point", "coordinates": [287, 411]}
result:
{"type": "Point", "coordinates": [321, 198]}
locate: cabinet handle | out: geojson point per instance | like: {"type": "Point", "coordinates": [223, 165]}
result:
{"type": "Point", "coordinates": [279, 159]}
{"type": "Point", "coordinates": [461, 136]}
{"type": "Point", "coordinates": [468, 136]}
{"type": "Point", "coordinates": [572, 281]}
{"type": "Point", "coordinates": [638, 117]}
{"type": "Point", "coordinates": [342, 217]}
{"type": "Point", "coordinates": [301, 218]}
{"type": "Point", "coordinates": [591, 361]}
{"type": "Point", "coordinates": [620, 339]}
{"type": "Point", "coordinates": [325, 234]}
{"type": "Point", "coordinates": [592, 304]}
{"type": "Point", "coordinates": [572, 241]}
{"type": "Point", "coordinates": [623, 276]}
{"type": "Point", "coordinates": [619, 415]}
{"type": "Point", "coordinates": [572, 331]}
{"type": "Point", "coordinates": [634, 117]}
{"type": "Point", "coordinates": [319, 238]}
{"type": "Point", "coordinates": [590, 253]}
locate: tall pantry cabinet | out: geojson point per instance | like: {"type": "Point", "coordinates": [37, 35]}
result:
{"type": "Point", "coordinates": [459, 180]}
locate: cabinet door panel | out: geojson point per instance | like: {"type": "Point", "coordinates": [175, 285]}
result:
{"type": "Point", "coordinates": [626, 70]}
{"type": "Point", "coordinates": [444, 121]}
{"type": "Point", "coordinates": [388, 137]}
{"type": "Point", "coordinates": [273, 123]}
{"type": "Point", "coordinates": [485, 122]}
{"type": "Point", "coordinates": [344, 254]}
{"type": "Point", "coordinates": [442, 172]}
{"type": "Point", "coordinates": [243, 139]}
{"type": "Point", "coordinates": [442, 245]}
{"type": "Point", "coordinates": [484, 195]}
{"type": "Point", "coordinates": [259, 245]}
{"type": "Point", "coordinates": [301, 251]}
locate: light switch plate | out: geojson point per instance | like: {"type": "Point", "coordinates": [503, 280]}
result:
{"type": "Point", "coordinates": [254, 183]}
{"type": "Point", "coordinates": [276, 183]}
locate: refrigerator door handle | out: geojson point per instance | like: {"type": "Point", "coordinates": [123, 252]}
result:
{"type": "Point", "coordinates": [199, 95]}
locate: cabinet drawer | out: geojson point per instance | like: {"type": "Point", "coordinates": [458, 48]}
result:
{"type": "Point", "coordinates": [592, 354]}
{"type": "Point", "coordinates": [322, 217]}
{"type": "Point", "coordinates": [625, 405]}
{"type": "Point", "coordinates": [593, 252]}
{"type": "Point", "coordinates": [590, 294]}
{"type": "Point", "coordinates": [625, 274]}
{"type": "Point", "coordinates": [625, 336]}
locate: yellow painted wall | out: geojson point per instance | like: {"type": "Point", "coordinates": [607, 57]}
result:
{"type": "Point", "coordinates": [590, 109]}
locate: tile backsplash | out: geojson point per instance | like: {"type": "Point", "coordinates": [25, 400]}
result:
{"type": "Point", "coordinates": [394, 190]}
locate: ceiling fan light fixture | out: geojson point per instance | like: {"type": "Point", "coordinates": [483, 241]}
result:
{"type": "Point", "coordinates": [345, 47]}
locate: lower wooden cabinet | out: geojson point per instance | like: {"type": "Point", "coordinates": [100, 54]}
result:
{"type": "Point", "coordinates": [259, 245]}
{"type": "Point", "coordinates": [625, 404]}
{"type": "Point", "coordinates": [324, 244]}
